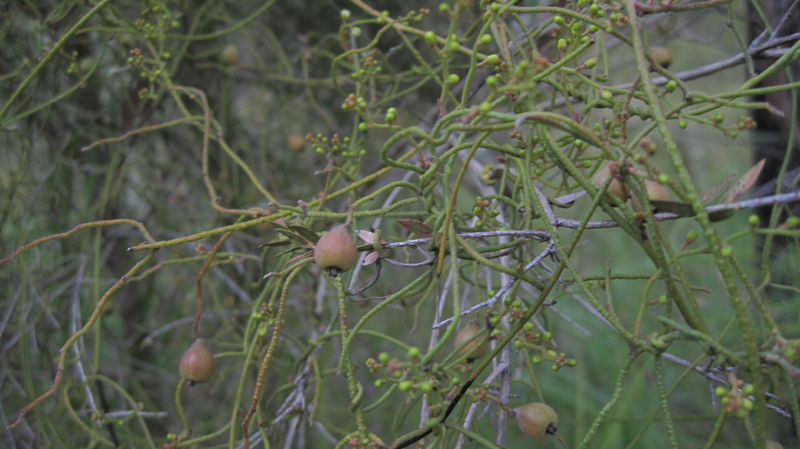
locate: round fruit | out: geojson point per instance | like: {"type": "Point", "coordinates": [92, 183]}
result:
{"type": "Point", "coordinates": [615, 187]}
{"type": "Point", "coordinates": [296, 142]}
{"type": "Point", "coordinates": [655, 192]}
{"type": "Point", "coordinates": [537, 419]}
{"type": "Point", "coordinates": [772, 444]}
{"type": "Point", "coordinates": [660, 55]}
{"type": "Point", "coordinates": [336, 251]}
{"type": "Point", "coordinates": [471, 342]}
{"type": "Point", "coordinates": [230, 55]}
{"type": "Point", "coordinates": [197, 363]}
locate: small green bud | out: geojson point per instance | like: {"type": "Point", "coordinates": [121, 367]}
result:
{"type": "Point", "coordinates": [453, 78]}
{"type": "Point", "coordinates": [430, 37]}
{"type": "Point", "coordinates": [671, 86]}
{"type": "Point", "coordinates": [727, 251]}
{"type": "Point", "coordinates": [404, 385]}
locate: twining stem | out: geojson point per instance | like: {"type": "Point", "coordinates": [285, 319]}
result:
{"type": "Point", "coordinates": [352, 382]}
{"type": "Point", "coordinates": [62, 353]}
{"type": "Point", "coordinates": [265, 362]}
{"type": "Point", "coordinates": [82, 226]}
{"type": "Point", "coordinates": [49, 55]}
{"type": "Point", "coordinates": [615, 397]}
{"type": "Point", "coordinates": [198, 283]}
{"type": "Point", "coordinates": [714, 241]}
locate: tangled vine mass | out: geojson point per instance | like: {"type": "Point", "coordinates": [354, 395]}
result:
{"type": "Point", "coordinates": [400, 224]}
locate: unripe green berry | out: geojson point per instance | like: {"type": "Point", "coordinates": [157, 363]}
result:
{"type": "Point", "coordinates": [430, 37]}
{"type": "Point", "coordinates": [726, 251]}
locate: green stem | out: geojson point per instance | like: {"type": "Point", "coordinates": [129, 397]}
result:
{"type": "Point", "coordinates": [49, 55]}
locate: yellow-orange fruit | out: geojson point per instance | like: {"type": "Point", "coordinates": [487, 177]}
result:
{"type": "Point", "coordinates": [230, 55]}
{"type": "Point", "coordinates": [336, 251]}
{"type": "Point", "coordinates": [197, 363]}
{"type": "Point", "coordinates": [660, 55]}
{"type": "Point", "coordinates": [471, 342]}
{"type": "Point", "coordinates": [295, 142]}
{"type": "Point", "coordinates": [537, 419]}
{"type": "Point", "coordinates": [615, 188]}
{"type": "Point", "coordinates": [655, 192]}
